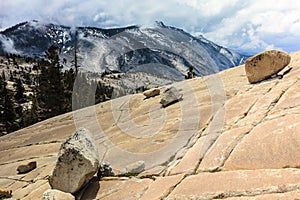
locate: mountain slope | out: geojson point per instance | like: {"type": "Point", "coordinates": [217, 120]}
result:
{"type": "Point", "coordinates": [225, 139]}
{"type": "Point", "coordinates": [161, 50]}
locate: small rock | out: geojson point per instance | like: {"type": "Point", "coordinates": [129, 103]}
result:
{"type": "Point", "coordinates": [57, 195]}
{"type": "Point", "coordinates": [22, 169]}
{"type": "Point", "coordinates": [134, 168]}
{"type": "Point", "coordinates": [151, 93]}
{"type": "Point", "coordinates": [105, 170]}
{"type": "Point", "coordinates": [77, 162]}
{"type": "Point", "coordinates": [5, 193]}
{"type": "Point", "coordinates": [265, 64]}
{"type": "Point", "coordinates": [170, 95]}
{"type": "Point", "coordinates": [284, 71]}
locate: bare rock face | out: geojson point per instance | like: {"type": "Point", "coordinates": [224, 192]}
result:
{"type": "Point", "coordinates": [57, 195]}
{"type": "Point", "coordinates": [76, 164]}
{"type": "Point", "coordinates": [170, 96]}
{"type": "Point", "coordinates": [151, 93]}
{"type": "Point", "coordinates": [265, 64]}
{"type": "Point", "coordinates": [245, 146]}
{"type": "Point", "coordinates": [22, 169]}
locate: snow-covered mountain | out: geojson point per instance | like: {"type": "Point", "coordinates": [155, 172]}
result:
{"type": "Point", "coordinates": [160, 51]}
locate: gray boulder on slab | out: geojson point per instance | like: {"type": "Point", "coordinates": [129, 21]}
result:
{"type": "Point", "coordinates": [133, 168]}
{"type": "Point", "coordinates": [266, 64]}
{"type": "Point", "coordinates": [77, 162]}
{"type": "Point", "coordinates": [170, 96]}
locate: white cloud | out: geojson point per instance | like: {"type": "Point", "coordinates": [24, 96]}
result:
{"type": "Point", "coordinates": [8, 45]}
{"type": "Point", "coordinates": [212, 7]}
{"type": "Point", "coordinates": [245, 25]}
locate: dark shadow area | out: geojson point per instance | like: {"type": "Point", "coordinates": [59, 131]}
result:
{"type": "Point", "coordinates": [90, 191]}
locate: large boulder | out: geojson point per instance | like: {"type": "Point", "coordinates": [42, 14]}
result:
{"type": "Point", "coordinates": [170, 96]}
{"type": "Point", "coordinates": [77, 162]}
{"type": "Point", "coordinates": [57, 195]}
{"type": "Point", "coordinates": [265, 64]}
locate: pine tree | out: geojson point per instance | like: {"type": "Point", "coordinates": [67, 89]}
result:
{"type": "Point", "coordinates": [8, 120]}
{"type": "Point", "coordinates": [10, 112]}
{"type": "Point", "coordinates": [103, 93]}
{"type": "Point", "coordinates": [191, 73]}
{"type": "Point", "coordinates": [50, 89]}
{"type": "Point", "coordinates": [2, 119]}
{"type": "Point", "coordinates": [41, 90]}
{"type": "Point", "coordinates": [19, 89]}
{"type": "Point", "coordinates": [76, 50]}
{"type": "Point", "coordinates": [99, 94]}
{"type": "Point", "coordinates": [68, 80]}
{"type": "Point", "coordinates": [31, 116]}
{"type": "Point", "coordinates": [19, 98]}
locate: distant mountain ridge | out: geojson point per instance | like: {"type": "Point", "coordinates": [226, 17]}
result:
{"type": "Point", "coordinates": [161, 51]}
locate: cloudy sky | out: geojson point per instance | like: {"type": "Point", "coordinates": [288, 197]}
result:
{"type": "Point", "coordinates": [248, 26]}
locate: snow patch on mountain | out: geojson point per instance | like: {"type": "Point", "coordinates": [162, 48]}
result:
{"type": "Point", "coordinates": [160, 50]}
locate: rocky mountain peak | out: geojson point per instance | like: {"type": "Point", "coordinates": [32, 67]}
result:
{"type": "Point", "coordinates": [162, 51]}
